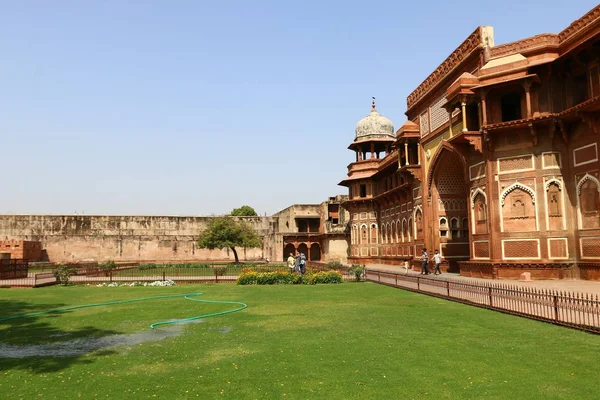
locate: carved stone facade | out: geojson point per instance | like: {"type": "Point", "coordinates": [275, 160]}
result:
{"type": "Point", "coordinates": [507, 179]}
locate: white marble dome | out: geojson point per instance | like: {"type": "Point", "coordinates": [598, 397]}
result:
{"type": "Point", "coordinates": [374, 126]}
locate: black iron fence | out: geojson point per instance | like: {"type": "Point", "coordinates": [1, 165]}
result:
{"type": "Point", "coordinates": [572, 309]}
{"type": "Point", "coordinates": [13, 268]}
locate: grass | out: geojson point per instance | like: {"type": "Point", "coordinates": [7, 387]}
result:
{"type": "Point", "coordinates": [347, 341]}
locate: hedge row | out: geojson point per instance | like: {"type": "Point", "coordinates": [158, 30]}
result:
{"type": "Point", "coordinates": [286, 278]}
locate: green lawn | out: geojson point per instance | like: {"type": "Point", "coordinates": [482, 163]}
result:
{"type": "Point", "coordinates": [347, 341]}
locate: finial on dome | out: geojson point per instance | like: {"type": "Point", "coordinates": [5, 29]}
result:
{"type": "Point", "coordinates": [373, 104]}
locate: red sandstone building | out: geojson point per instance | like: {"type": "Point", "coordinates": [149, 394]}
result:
{"type": "Point", "coordinates": [497, 166]}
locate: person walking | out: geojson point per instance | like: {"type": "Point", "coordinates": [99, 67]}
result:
{"type": "Point", "coordinates": [437, 260]}
{"type": "Point", "coordinates": [406, 266]}
{"type": "Point", "coordinates": [297, 263]}
{"type": "Point", "coordinates": [291, 263]}
{"type": "Point", "coordinates": [302, 263]}
{"type": "Point", "coordinates": [425, 257]}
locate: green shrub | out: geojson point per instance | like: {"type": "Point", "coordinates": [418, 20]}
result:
{"type": "Point", "coordinates": [249, 277]}
{"type": "Point", "coordinates": [357, 270]}
{"type": "Point", "coordinates": [63, 274]}
{"type": "Point", "coordinates": [327, 277]}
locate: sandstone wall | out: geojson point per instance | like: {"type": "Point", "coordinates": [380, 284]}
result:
{"type": "Point", "coordinates": [127, 238]}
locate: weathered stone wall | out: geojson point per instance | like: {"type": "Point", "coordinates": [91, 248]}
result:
{"type": "Point", "coordinates": [127, 238]}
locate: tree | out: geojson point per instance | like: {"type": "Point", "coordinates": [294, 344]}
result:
{"type": "Point", "coordinates": [225, 232]}
{"type": "Point", "coordinates": [244, 211]}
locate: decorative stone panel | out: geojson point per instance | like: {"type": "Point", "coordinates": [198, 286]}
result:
{"type": "Point", "coordinates": [424, 122]}
{"type": "Point", "coordinates": [515, 164]}
{"type": "Point", "coordinates": [585, 154]}
{"type": "Point", "coordinates": [481, 249]}
{"type": "Point", "coordinates": [477, 171]}
{"type": "Point", "coordinates": [550, 160]}
{"type": "Point", "coordinates": [516, 249]}
{"type": "Point", "coordinates": [557, 248]}
{"type": "Point", "coordinates": [437, 114]}
{"type": "Point", "coordinates": [590, 247]}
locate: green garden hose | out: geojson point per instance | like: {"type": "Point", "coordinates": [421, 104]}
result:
{"type": "Point", "coordinates": [108, 303]}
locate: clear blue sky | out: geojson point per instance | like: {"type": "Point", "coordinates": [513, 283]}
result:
{"type": "Point", "coordinates": [196, 107]}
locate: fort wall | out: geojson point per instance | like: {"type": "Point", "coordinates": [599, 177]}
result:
{"type": "Point", "coordinates": [127, 238]}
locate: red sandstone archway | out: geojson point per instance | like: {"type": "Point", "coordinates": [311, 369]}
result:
{"type": "Point", "coordinates": [449, 208]}
{"type": "Point", "coordinates": [315, 252]}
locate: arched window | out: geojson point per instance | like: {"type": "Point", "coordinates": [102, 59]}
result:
{"type": "Point", "coordinates": [554, 203]}
{"type": "Point", "coordinates": [418, 224]}
{"type": "Point", "coordinates": [480, 214]}
{"type": "Point", "coordinates": [364, 239]}
{"type": "Point", "coordinates": [409, 229]}
{"type": "Point", "coordinates": [454, 228]}
{"type": "Point", "coordinates": [373, 233]}
{"type": "Point", "coordinates": [589, 202]}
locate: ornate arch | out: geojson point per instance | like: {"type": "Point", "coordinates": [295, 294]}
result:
{"type": "Point", "coordinates": [444, 146]}
{"type": "Point", "coordinates": [514, 186]}
{"type": "Point", "coordinates": [586, 178]}
{"type": "Point", "coordinates": [360, 231]}
{"type": "Point", "coordinates": [474, 195]}
{"type": "Point", "coordinates": [551, 181]}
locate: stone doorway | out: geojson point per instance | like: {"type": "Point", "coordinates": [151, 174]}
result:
{"type": "Point", "coordinates": [450, 225]}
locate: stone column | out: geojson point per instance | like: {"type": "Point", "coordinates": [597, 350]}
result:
{"type": "Point", "coordinates": [527, 87]}
{"type": "Point", "coordinates": [406, 153]}
{"type": "Point", "coordinates": [450, 122]}
{"type": "Point", "coordinates": [464, 115]}
{"type": "Point", "coordinates": [418, 155]}
{"type": "Point", "coordinates": [483, 108]}
{"type": "Point", "coordinates": [372, 150]}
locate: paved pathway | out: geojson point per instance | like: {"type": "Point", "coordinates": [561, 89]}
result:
{"type": "Point", "coordinates": [567, 285]}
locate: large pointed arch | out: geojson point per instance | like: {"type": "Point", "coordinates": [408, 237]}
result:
{"type": "Point", "coordinates": [444, 146]}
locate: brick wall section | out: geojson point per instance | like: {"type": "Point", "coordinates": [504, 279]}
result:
{"type": "Point", "coordinates": [21, 249]}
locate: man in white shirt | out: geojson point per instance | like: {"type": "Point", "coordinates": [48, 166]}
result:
{"type": "Point", "coordinates": [437, 259]}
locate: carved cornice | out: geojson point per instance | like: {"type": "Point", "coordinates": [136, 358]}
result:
{"type": "Point", "coordinates": [580, 24]}
{"type": "Point", "coordinates": [524, 45]}
{"type": "Point", "coordinates": [472, 43]}
{"type": "Point", "coordinates": [477, 40]}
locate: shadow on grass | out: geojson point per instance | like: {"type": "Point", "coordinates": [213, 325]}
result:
{"type": "Point", "coordinates": [36, 344]}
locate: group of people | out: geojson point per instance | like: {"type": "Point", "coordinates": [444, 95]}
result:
{"type": "Point", "coordinates": [437, 260]}
{"type": "Point", "coordinates": [297, 263]}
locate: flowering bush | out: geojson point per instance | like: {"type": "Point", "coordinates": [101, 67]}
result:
{"type": "Point", "coordinates": [137, 283]}
{"type": "Point", "coordinates": [286, 278]}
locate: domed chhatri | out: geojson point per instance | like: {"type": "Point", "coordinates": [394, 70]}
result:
{"type": "Point", "coordinates": [374, 126]}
